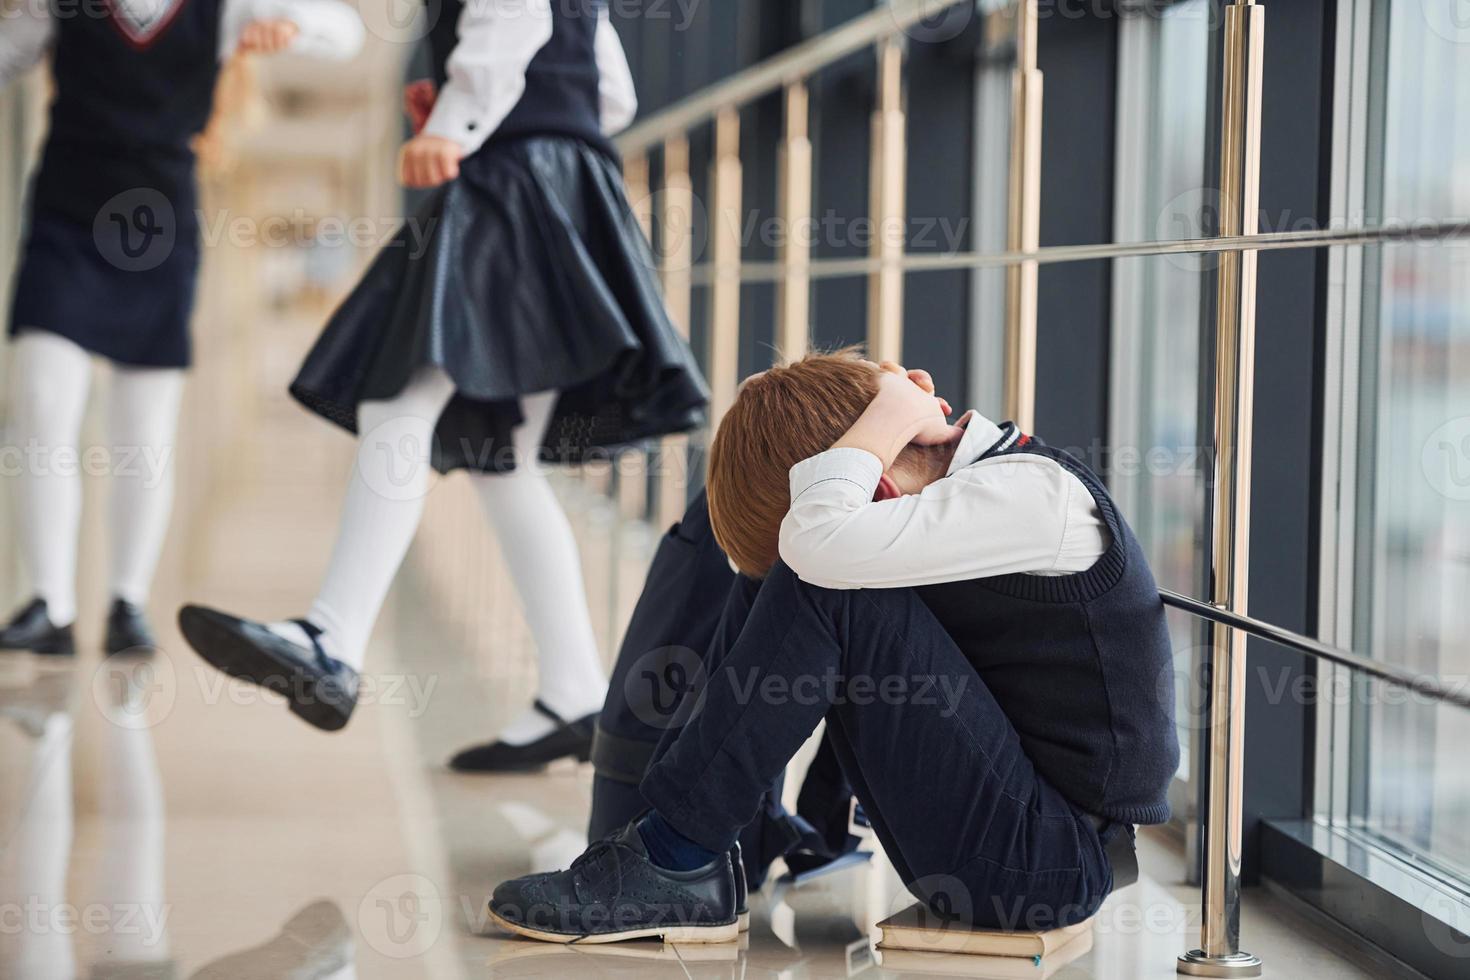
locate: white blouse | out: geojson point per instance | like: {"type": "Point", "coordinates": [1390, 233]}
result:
{"type": "Point", "coordinates": [1016, 512]}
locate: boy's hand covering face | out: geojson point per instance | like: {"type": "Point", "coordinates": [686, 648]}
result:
{"type": "Point", "coordinates": [905, 410]}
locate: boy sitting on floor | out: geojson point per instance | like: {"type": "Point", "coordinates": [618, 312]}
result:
{"type": "Point", "coordinates": [974, 620]}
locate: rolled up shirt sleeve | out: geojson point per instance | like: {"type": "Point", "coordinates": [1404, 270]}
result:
{"type": "Point", "coordinates": [990, 519]}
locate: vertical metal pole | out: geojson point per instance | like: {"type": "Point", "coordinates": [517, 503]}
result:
{"type": "Point", "coordinates": [793, 299]}
{"type": "Point", "coordinates": [725, 244]}
{"type": "Point", "coordinates": [886, 180]}
{"type": "Point", "coordinates": [676, 226]}
{"type": "Point", "coordinates": [1219, 954]}
{"type": "Point", "coordinates": [1023, 225]}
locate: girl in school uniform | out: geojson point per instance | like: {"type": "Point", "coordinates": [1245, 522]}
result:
{"type": "Point", "coordinates": [109, 268]}
{"type": "Point", "coordinates": [515, 320]}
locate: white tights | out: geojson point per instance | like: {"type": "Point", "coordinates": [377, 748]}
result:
{"type": "Point", "coordinates": [51, 382]}
{"type": "Point", "coordinates": [384, 503]}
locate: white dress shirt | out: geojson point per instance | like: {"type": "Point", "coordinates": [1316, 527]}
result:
{"type": "Point", "coordinates": [487, 70]}
{"type": "Point", "coordinates": [1017, 512]}
{"type": "Point", "coordinates": [325, 29]}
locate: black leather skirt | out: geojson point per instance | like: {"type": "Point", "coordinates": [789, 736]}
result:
{"type": "Point", "coordinates": [527, 273]}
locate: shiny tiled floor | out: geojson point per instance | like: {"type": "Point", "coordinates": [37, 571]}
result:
{"type": "Point", "coordinates": [160, 822]}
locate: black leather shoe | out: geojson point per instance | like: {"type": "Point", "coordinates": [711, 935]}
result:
{"type": "Point", "coordinates": [128, 631]}
{"type": "Point", "coordinates": [570, 738]}
{"type": "Point", "coordinates": [613, 892]}
{"type": "Point", "coordinates": [320, 690]}
{"type": "Point", "coordinates": [31, 629]}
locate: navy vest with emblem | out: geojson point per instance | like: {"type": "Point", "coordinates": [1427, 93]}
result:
{"type": "Point", "coordinates": [1081, 664]}
{"type": "Point", "coordinates": [132, 90]}
{"type": "Point", "coordinates": [561, 96]}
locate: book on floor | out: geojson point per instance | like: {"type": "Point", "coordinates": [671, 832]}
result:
{"type": "Point", "coordinates": [918, 929]}
{"type": "Point", "coordinates": [910, 961]}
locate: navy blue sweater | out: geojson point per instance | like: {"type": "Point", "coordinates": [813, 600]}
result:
{"type": "Point", "coordinates": [1081, 664]}
{"type": "Point", "coordinates": [561, 96]}
{"type": "Point", "coordinates": [127, 104]}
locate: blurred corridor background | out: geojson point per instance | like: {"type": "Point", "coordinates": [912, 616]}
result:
{"type": "Point", "coordinates": [166, 788]}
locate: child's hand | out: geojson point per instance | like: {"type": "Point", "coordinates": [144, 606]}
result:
{"type": "Point", "coordinates": [924, 380]}
{"type": "Point", "coordinates": [905, 410]}
{"type": "Point", "coordinates": [267, 36]}
{"type": "Point", "coordinates": [428, 161]}
{"type": "Point", "coordinates": [418, 102]}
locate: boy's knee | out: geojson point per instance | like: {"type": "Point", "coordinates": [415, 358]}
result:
{"type": "Point", "coordinates": [781, 579]}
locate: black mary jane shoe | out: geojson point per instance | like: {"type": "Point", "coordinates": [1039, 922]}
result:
{"type": "Point", "coordinates": [128, 631]}
{"type": "Point", "coordinates": [614, 892]}
{"type": "Point", "coordinates": [320, 690]}
{"type": "Point", "coordinates": [569, 738]}
{"type": "Point", "coordinates": [31, 629]}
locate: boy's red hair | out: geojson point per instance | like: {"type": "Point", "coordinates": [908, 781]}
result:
{"type": "Point", "coordinates": [780, 417]}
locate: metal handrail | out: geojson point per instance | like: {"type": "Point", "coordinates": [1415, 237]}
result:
{"type": "Point", "coordinates": [791, 65]}
{"type": "Point", "coordinates": [1434, 688]}
{"type": "Point", "coordinates": [1453, 229]}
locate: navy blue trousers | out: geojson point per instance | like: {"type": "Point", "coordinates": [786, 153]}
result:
{"type": "Point", "coordinates": [971, 826]}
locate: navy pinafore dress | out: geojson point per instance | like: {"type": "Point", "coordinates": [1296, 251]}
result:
{"type": "Point", "coordinates": [111, 254]}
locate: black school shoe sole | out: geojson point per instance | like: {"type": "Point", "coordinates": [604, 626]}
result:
{"type": "Point", "coordinates": [315, 687]}
{"type": "Point", "coordinates": [613, 893]}
{"type": "Point", "coordinates": [61, 644]}
{"type": "Point", "coordinates": [728, 933]}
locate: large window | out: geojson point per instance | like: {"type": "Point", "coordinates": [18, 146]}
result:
{"type": "Point", "coordinates": [1397, 518]}
{"type": "Point", "coordinates": [1154, 463]}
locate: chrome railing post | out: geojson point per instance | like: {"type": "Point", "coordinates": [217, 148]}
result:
{"type": "Point", "coordinates": [886, 206]}
{"type": "Point", "coordinates": [1219, 954]}
{"type": "Point", "coordinates": [793, 296]}
{"type": "Point", "coordinates": [726, 182]}
{"type": "Point", "coordinates": [676, 247]}
{"type": "Point", "coordinates": [1023, 222]}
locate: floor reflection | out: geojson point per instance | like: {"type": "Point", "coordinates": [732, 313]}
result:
{"type": "Point", "coordinates": [314, 944]}
{"type": "Point", "coordinates": [37, 942]}
{"type": "Point", "coordinates": [114, 918]}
